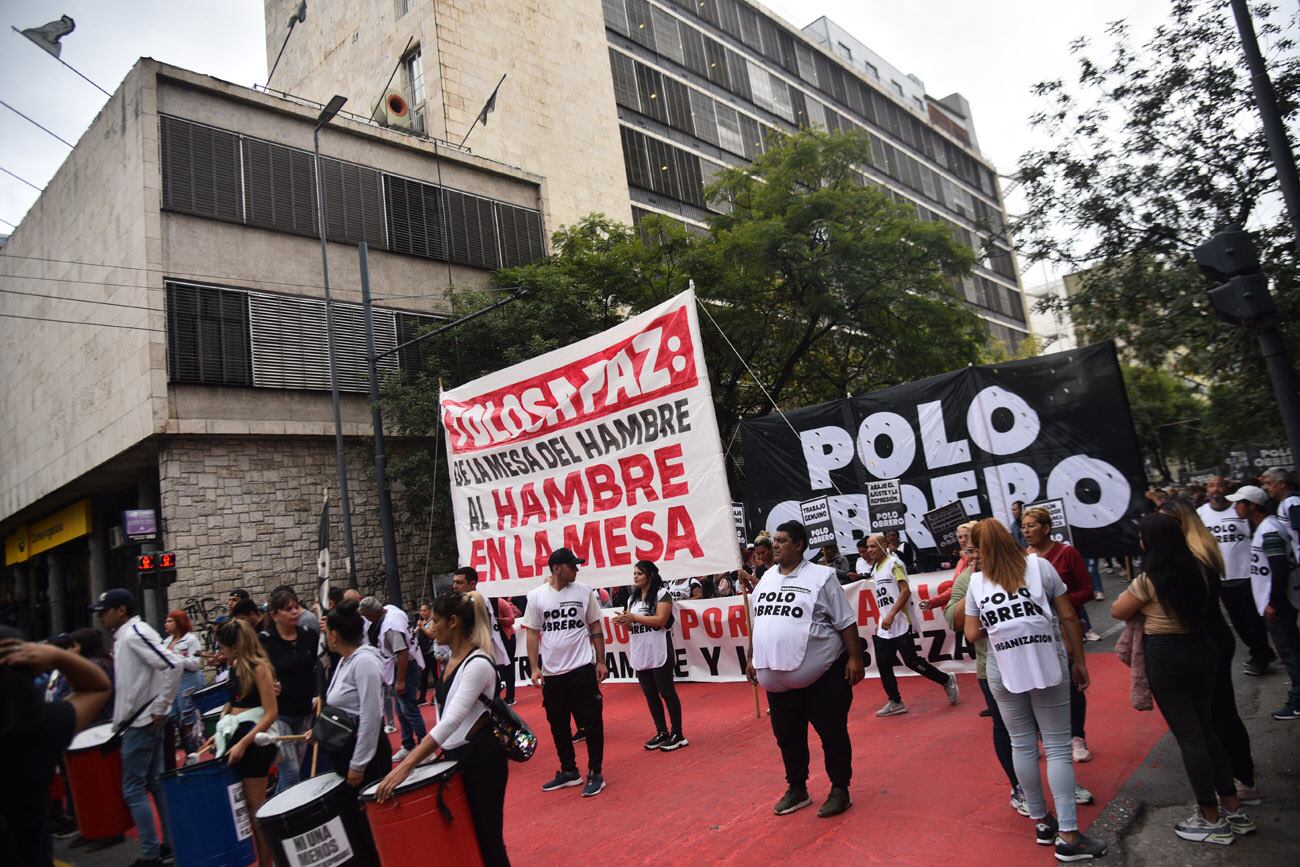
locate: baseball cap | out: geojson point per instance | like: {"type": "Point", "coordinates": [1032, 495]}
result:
{"type": "Point", "coordinates": [114, 598]}
{"type": "Point", "coordinates": [1253, 493]}
{"type": "Point", "coordinates": [563, 557]}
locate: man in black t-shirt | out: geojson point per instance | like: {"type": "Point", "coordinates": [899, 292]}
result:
{"type": "Point", "coordinates": [33, 735]}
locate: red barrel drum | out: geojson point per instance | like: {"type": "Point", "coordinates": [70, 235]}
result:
{"type": "Point", "coordinates": [427, 813]}
{"type": "Point", "coordinates": [94, 763]}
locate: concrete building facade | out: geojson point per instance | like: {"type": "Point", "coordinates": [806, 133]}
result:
{"type": "Point", "coordinates": [164, 344]}
{"type": "Point", "coordinates": [670, 91]}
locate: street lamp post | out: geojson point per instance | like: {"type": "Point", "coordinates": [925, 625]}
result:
{"type": "Point", "coordinates": [327, 114]}
{"type": "Point", "coordinates": [381, 456]}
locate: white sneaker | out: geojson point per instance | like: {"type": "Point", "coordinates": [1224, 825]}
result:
{"type": "Point", "coordinates": [401, 754]}
{"type": "Point", "coordinates": [1079, 750]}
{"type": "Point", "coordinates": [1198, 829]}
{"type": "Point", "coordinates": [892, 708]}
{"type": "Point", "coordinates": [1018, 802]}
{"type": "Point", "coordinates": [1099, 596]}
{"type": "Point", "coordinates": [951, 688]}
{"type": "Point", "coordinates": [1082, 795]}
{"type": "Point", "coordinates": [388, 730]}
{"type": "Point", "coordinates": [1091, 635]}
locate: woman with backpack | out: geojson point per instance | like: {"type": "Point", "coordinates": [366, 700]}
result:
{"type": "Point", "coordinates": [649, 621]}
{"type": "Point", "coordinates": [460, 622]}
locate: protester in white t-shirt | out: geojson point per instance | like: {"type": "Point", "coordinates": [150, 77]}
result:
{"type": "Point", "coordinates": [1232, 533]}
{"type": "Point", "coordinates": [804, 650]}
{"type": "Point", "coordinates": [682, 589]}
{"type": "Point", "coordinates": [894, 636]}
{"type": "Point", "coordinates": [1018, 601]}
{"type": "Point", "coordinates": [649, 618]}
{"type": "Point", "coordinates": [403, 663]}
{"type": "Point", "coordinates": [563, 620]}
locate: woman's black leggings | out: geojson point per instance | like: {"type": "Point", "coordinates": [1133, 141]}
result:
{"type": "Point", "coordinates": [486, 773]}
{"type": "Point", "coordinates": [657, 685]}
{"type": "Point", "coordinates": [888, 650]}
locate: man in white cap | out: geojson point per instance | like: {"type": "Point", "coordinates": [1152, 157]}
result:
{"type": "Point", "coordinates": [1275, 581]}
{"type": "Point", "coordinates": [1232, 533]}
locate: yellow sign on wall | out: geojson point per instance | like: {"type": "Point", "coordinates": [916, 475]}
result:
{"type": "Point", "coordinates": [16, 546]}
{"type": "Point", "coordinates": [63, 526]}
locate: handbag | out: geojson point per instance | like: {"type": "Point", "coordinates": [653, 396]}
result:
{"type": "Point", "coordinates": [511, 732]}
{"type": "Point", "coordinates": [335, 730]}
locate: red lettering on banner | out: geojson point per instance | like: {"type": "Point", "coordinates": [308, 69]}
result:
{"type": "Point", "coordinates": [681, 534]}
{"type": "Point", "coordinates": [478, 555]}
{"type": "Point", "coordinates": [605, 492]}
{"type": "Point", "coordinates": [737, 623]}
{"type": "Point", "coordinates": [521, 569]}
{"type": "Point", "coordinates": [532, 505]}
{"type": "Point", "coordinates": [616, 542]}
{"type": "Point", "coordinates": [541, 553]}
{"type": "Point", "coordinates": [670, 472]}
{"type": "Point", "coordinates": [690, 620]}
{"type": "Point", "coordinates": [496, 555]}
{"type": "Point", "coordinates": [713, 622]}
{"type": "Point", "coordinates": [867, 609]}
{"type": "Point", "coordinates": [560, 502]}
{"type": "Point", "coordinates": [587, 546]}
{"type": "Point", "coordinates": [643, 531]}
{"type": "Point", "coordinates": [620, 631]}
{"type": "Point", "coordinates": [638, 475]}
{"type": "Point", "coordinates": [657, 361]}
{"type": "Point", "coordinates": [505, 508]}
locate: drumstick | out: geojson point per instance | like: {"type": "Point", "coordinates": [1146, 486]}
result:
{"type": "Point", "coordinates": [266, 739]}
{"type": "Point", "coordinates": [315, 745]}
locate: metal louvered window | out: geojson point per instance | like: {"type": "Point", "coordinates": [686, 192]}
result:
{"type": "Point", "coordinates": [354, 207]}
{"type": "Point", "coordinates": [201, 170]}
{"type": "Point", "coordinates": [521, 235]}
{"type": "Point", "coordinates": [471, 230]}
{"type": "Point", "coordinates": [415, 218]}
{"type": "Point", "coordinates": [279, 188]}
{"type": "Point", "coordinates": [207, 335]}
{"type": "Point", "coordinates": [290, 349]}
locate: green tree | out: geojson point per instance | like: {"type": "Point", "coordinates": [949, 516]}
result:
{"type": "Point", "coordinates": [1169, 419]}
{"type": "Point", "coordinates": [1155, 148]}
{"type": "Point", "coordinates": [822, 286]}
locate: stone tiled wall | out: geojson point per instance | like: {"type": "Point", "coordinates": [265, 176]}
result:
{"type": "Point", "coordinates": [243, 512]}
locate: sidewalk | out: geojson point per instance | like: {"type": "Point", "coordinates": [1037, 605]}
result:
{"type": "Point", "coordinates": [1138, 823]}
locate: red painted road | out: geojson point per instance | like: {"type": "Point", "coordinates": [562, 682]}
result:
{"type": "Point", "coordinates": [926, 788]}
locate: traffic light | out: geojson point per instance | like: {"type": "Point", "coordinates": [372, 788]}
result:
{"type": "Point", "coordinates": [1244, 299]}
{"type": "Point", "coordinates": [156, 569]}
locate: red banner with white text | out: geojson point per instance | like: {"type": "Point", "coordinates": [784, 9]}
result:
{"type": "Point", "coordinates": [608, 447]}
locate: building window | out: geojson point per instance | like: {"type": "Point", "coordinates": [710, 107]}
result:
{"type": "Point", "coordinates": [207, 335]}
{"type": "Point", "coordinates": [845, 51]}
{"type": "Point", "coordinates": [898, 88]}
{"type": "Point", "coordinates": [871, 70]}
{"type": "Point", "coordinates": [415, 78]}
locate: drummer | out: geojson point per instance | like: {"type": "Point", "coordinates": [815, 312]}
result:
{"type": "Point", "coordinates": [252, 709]}
{"type": "Point", "coordinates": [357, 689]}
{"type": "Point", "coordinates": [33, 735]}
{"type": "Point", "coordinates": [146, 677]}
{"type": "Point", "coordinates": [461, 622]}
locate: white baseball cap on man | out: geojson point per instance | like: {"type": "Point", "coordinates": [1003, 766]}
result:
{"type": "Point", "coordinates": [1253, 493]}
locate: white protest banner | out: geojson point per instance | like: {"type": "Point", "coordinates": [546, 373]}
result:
{"type": "Point", "coordinates": [711, 638]}
{"type": "Point", "coordinates": [608, 447]}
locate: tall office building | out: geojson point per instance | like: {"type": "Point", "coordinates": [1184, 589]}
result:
{"type": "Point", "coordinates": [668, 91]}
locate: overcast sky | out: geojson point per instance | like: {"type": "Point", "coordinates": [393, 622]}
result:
{"type": "Point", "coordinates": [992, 51]}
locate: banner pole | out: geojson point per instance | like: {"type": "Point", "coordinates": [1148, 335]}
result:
{"type": "Point", "coordinates": [749, 627]}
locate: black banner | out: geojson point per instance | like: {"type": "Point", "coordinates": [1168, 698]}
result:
{"type": "Point", "coordinates": [1053, 427]}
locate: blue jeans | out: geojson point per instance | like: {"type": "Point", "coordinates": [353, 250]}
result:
{"type": "Point", "coordinates": [1028, 714]}
{"type": "Point", "coordinates": [141, 765]}
{"type": "Point", "coordinates": [1286, 640]}
{"type": "Point", "coordinates": [408, 712]}
{"type": "Point", "coordinates": [1096, 575]}
{"type": "Point", "coordinates": [290, 760]}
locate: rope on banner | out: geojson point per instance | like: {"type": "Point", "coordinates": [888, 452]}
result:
{"type": "Point", "coordinates": [752, 376]}
{"type": "Point", "coordinates": [433, 498]}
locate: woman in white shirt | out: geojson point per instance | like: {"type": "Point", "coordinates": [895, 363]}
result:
{"type": "Point", "coordinates": [185, 645]}
{"type": "Point", "coordinates": [460, 621]}
{"type": "Point", "coordinates": [1018, 600]}
{"type": "Point", "coordinates": [649, 617]}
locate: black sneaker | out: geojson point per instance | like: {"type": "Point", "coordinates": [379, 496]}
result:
{"type": "Point", "coordinates": [657, 741]}
{"type": "Point", "coordinates": [793, 799]}
{"type": "Point", "coordinates": [1083, 848]}
{"type": "Point", "coordinates": [165, 854]}
{"type": "Point", "coordinates": [1256, 669]}
{"type": "Point", "coordinates": [836, 802]}
{"type": "Point", "coordinates": [1045, 830]}
{"type": "Point", "coordinates": [674, 742]}
{"type": "Point", "coordinates": [579, 735]}
{"type": "Point", "coordinates": [63, 828]}
{"type": "Point", "coordinates": [563, 780]}
{"type": "Point", "coordinates": [595, 785]}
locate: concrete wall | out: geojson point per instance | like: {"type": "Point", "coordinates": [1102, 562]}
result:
{"type": "Point", "coordinates": [75, 395]}
{"type": "Point", "coordinates": [555, 114]}
{"type": "Point", "coordinates": [244, 511]}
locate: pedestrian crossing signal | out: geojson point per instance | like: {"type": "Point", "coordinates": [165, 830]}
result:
{"type": "Point", "coordinates": [167, 560]}
{"type": "Point", "coordinates": [146, 563]}
{"type": "Point", "coordinates": [156, 568]}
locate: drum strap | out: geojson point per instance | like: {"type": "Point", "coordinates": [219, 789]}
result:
{"type": "Point", "coordinates": [442, 804]}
